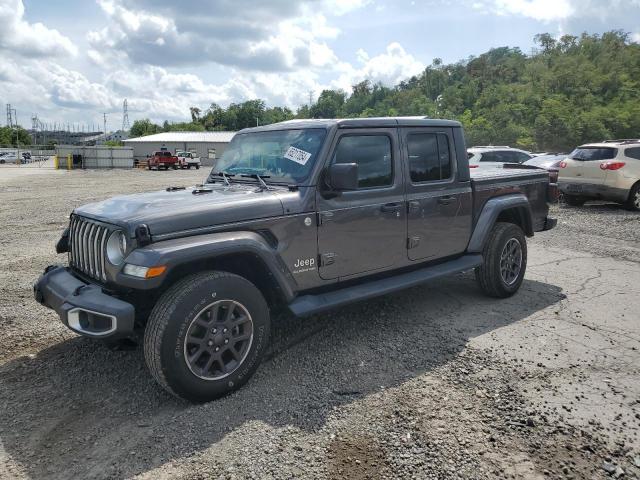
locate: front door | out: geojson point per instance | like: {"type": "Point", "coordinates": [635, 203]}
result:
{"type": "Point", "coordinates": [364, 230]}
{"type": "Point", "coordinates": [439, 205]}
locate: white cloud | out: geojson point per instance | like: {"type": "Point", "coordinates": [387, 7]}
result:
{"type": "Point", "coordinates": [544, 10]}
{"type": "Point", "coordinates": [29, 39]}
{"type": "Point", "coordinates": [556, 10]}
{"type": "Point", "coordinates": [389, 68]}
{"type": "Point", "coordinates": [275, 37]}
{"type": "Point", "coordinates": [342, 7]}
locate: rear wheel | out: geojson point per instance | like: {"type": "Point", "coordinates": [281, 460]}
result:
{"type": "Point", "coordinates": [633, 203]}
{"type": "Point", "coordinates": [574, 200]}
{"type": "Point", "coordinates": [206, 335]}
{"type": "Point", "coordinates": [504, 261]}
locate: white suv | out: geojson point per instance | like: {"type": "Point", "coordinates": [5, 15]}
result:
{"type": "Point", "coordinates": [496, 157]}
{"type": "Point", "coordinates": [602, 171]}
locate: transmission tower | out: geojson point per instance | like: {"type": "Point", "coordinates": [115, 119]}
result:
{"type": "Point", "coordinates": [125, 116]}
{"type": "Point", "coordinates": [9, 116]}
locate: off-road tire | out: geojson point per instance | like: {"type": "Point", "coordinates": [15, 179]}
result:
{"type": "Point", "coordinates": [488, 275]}
{"type": "Point", "coordinates": [574, 200]}
{"type": "Point", "coordinates": [168, 324]}
{"type": "Point", "coordinates": [633, 203]}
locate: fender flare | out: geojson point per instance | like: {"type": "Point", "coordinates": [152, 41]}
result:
{"type": "Point", "coordinates": [490, 213]}
{"type": "Point", "coordinates": [176, 252]}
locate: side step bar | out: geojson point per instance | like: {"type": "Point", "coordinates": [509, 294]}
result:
{"type": "Point", "coordinates": [310, 304]}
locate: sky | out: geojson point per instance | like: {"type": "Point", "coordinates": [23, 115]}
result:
{"type": "Point", "coordinates": [74, 60]}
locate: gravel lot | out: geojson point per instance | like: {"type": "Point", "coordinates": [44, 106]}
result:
{"type": "Point", "coordinates": [434, 382]}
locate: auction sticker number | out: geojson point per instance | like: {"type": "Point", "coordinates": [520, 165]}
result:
{"type": "Point", "coordinates": [296, 155]}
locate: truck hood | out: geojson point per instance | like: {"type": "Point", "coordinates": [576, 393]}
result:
{"type": "Point", "coordinates": [174, 211]}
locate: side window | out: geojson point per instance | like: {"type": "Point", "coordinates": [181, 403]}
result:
{"type": "Point", "coordinates": [490, 157]}
{"type": "Point", "coordinates": [521, 157]}
{"type": "Point", "coordinates": [510, 157]}
{"type": "Point", "coordinates": [372, 153]}
{"type": "Point", "coordinates": [633, 153]}
{"type": "Point", "coordinates": [429, 157]}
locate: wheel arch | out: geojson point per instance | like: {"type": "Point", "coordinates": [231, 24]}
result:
{"type": "Point", "coordinates": [636, 184]}
{"type": "Point", "coordinates": [510, 209]}
{"type": "Point", "coordinates": [246, 254]}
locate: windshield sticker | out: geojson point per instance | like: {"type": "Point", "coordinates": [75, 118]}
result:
{"type": "Point", "coordinates": [296, 155]}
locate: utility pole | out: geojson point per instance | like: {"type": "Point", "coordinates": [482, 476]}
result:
{"type": "Point", "coordinates": [310, 98]}
{"type": "Point", "coordinates": [104, 124]}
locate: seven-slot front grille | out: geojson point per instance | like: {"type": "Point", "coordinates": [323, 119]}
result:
{"type": "Point", "coordinates": [87, 244]}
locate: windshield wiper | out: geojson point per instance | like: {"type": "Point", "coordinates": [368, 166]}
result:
{"type": "Point", "coordinates": [260, 178]}
{"type": "Point", "coordinates": [225, 177]}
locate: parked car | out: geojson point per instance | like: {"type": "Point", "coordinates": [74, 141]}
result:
{"type": "Point", "coordinates": [495, 157]}
{"type": "Point", "coordinates": [550, 162]}
{"type": "Point", "coordinates": [163, 159]}
{"type": "Point", "coordinates": [306, 214]}
{"type": "Point", "coordinates": [188, 160]}
{"type": "Point", "coordinates": [602, 171]}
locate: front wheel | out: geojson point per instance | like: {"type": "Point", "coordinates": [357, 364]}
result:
{"type": "Point", "coordinates": [504, 261]}
{"type": "Point", "coordinates": [206, 335]}
{"type": "Point", "coordinates": [197, 167]}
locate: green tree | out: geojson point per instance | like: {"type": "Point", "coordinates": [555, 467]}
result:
{"type": "Point", "coordinates": [15, 137]}
{"type": "Point", "coordinates": [143, 127]}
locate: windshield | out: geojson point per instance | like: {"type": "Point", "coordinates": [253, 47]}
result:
{"type": "Point", "coordinates": [593, 153]}
{"type": "Point", "coordinates": [283, 156]}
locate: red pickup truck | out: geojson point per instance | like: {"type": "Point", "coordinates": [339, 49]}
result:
{"type": "Point", "coordinates": [163, 159]}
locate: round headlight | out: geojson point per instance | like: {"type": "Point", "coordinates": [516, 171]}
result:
{"type": "Point", "coordinates": [116, 247]}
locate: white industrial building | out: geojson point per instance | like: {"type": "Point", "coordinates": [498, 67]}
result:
{"type": "Point", "coordinates": [207, 145]}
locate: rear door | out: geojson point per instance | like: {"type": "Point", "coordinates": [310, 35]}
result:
{"type": "Point", "coordinates": [439, 206]}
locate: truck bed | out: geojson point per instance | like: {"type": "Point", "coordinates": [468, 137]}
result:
{"type": "Point", "coordinates": [533, 183]}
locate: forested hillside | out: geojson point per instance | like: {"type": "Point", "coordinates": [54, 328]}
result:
{"type": "Point", "coordinates": [569, 91]}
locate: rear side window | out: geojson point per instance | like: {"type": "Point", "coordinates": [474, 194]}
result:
{"type": "Point", "coordinates": [521, 157]}
{"type": "Point", "coordinates": [429, 157]}
{"type": "Point", "coordinates": [633, 153]}
{"type": "Point", "coordinates": [504, 157]}
{"type": "Point", "coordinates": [593, 153]}
{"type": "Point", "coordinates": [372, 153]}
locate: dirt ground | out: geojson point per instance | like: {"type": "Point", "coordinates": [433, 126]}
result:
{"type": "Point", "coordinates": [434, 382]}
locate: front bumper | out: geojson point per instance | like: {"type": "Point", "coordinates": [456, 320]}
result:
{"type": "Point", "coordinates": [83, 307]}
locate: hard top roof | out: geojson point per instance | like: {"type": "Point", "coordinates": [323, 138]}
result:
{"type": "Point", "coordinates": [379, 122]}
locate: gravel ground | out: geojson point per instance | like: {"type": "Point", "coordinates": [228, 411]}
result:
{"type": "Point", "coordinates": [433, 382]}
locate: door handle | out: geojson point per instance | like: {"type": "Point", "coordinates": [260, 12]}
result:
{"type": "Point", "coordinates": [446, 200]}
{"type": "Point", "coordinates": [391, 207]}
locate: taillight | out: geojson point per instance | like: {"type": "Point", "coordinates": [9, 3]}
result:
{"type": "Point", "coordinates": [563, 164]}
{"type": "Point", "coordinates": [553, 193]}
{"type": "Point", "coordinates": [474, 166]}
{"type": "Point", "coordinates": [612, 165]}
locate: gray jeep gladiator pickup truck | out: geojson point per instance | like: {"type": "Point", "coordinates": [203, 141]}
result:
{"type": "Point", "coordinates": [306, 214]}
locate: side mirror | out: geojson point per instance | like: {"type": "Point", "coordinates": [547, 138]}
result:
{"type": "Point", "coordinates": [342, 176]}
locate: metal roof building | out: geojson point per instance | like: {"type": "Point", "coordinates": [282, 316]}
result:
{"type": "Point", "coordinates": [207, 145]}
